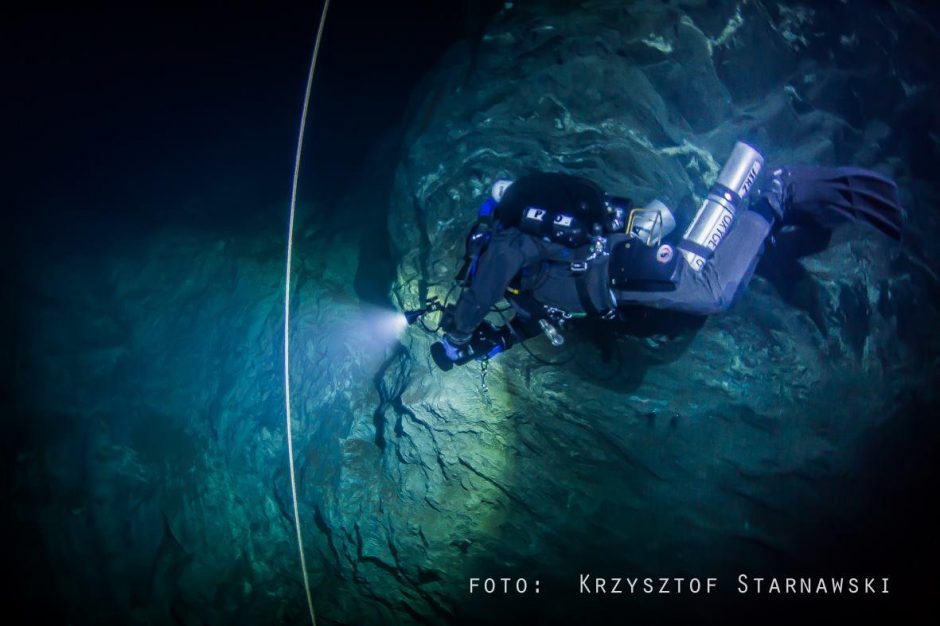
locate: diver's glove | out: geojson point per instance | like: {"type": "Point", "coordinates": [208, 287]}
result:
{"type": "Point", "coordinates": [454, 344]}
{"type": "Point", "coordinates": [450, 350]}
{"type": "Point", "coordinates": [485, 342]}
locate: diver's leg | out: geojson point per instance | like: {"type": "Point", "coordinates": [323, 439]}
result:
{"type": "Point", "coordinates": [508, 251]}
{"type": "Point", "coordinates": [714, 288]}
{"type": "Point", "coordinates": [732, 265]}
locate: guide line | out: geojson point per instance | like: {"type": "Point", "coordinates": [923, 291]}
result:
{"type": "Point", "coordinates": [290, 248]}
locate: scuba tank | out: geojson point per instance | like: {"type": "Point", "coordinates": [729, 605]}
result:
{"type": "Point", "coordinates": [714, 218]}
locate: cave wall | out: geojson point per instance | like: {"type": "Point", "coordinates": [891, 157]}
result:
{"type": "Point", "coordinates": [720, 450]}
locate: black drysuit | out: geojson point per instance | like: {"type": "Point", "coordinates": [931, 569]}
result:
{"type": "Point", "coordinates": [547, 275]}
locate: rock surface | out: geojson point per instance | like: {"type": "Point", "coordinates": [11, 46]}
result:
{"type": "Point", "coordinates": [745, 445]}
{"type": "Point", "coordinates": [725, 450]}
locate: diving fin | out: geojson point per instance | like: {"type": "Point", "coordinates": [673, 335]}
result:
{"type": "Point", "coordinates": [829, 195]}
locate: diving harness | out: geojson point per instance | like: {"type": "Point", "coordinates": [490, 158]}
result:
{"type": "Point", "coordinates": [533, 317]}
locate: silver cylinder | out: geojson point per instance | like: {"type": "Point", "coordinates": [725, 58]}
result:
{"type": "Point", "coordinates": [652, 223]}
{"type": "Point", "coordinates": [714, 218]}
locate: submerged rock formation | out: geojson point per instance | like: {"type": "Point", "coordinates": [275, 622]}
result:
{"type": "Point", "coordinates": [755, 441]}
{"type": "Point", "coordinates": [721, 449]}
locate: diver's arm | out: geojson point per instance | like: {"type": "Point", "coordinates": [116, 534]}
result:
{"type": "Point", "coordinates": [508, 252]}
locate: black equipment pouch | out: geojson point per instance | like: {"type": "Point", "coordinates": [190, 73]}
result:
{"type": "Point", "coordinates": [635, 266]}
{"type": "Point", "coordinates": [592, 285]}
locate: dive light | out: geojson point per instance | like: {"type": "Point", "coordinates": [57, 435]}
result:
{"type": "Point", "coordinates": [430, 306]}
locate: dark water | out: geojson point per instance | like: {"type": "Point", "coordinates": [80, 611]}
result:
{"type": "Point", "coordinates": [124, 121]}
{"type": "Point", "coordinates": [124, 114]}
{"type": "Point", "coordinates": [144, 215]}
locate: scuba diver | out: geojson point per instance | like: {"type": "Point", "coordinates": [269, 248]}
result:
{"type": "Point", "coordinates": [557, 247]}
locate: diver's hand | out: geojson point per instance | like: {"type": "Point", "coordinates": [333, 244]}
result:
{"type": "Point", "coordinates": [452, 348]}
{"type": "Point", "coordinates": [454, 343]}
{"type": "Point", "coordinates": [452, 351]}
{"type": "Point", "coordinates": [446, 353]}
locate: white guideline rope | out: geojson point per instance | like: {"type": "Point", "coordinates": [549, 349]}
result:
{"type": "Point", "coordinates": [290, 248]}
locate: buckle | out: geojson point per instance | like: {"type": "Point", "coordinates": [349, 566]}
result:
{"type": "Point", "coordinates": [579, 266]}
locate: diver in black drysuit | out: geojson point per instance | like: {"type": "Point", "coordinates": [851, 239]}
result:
{"type": "Point", "coordinates": [546, 273]}
{"type": "Point", "coordinates": [538, 269]}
